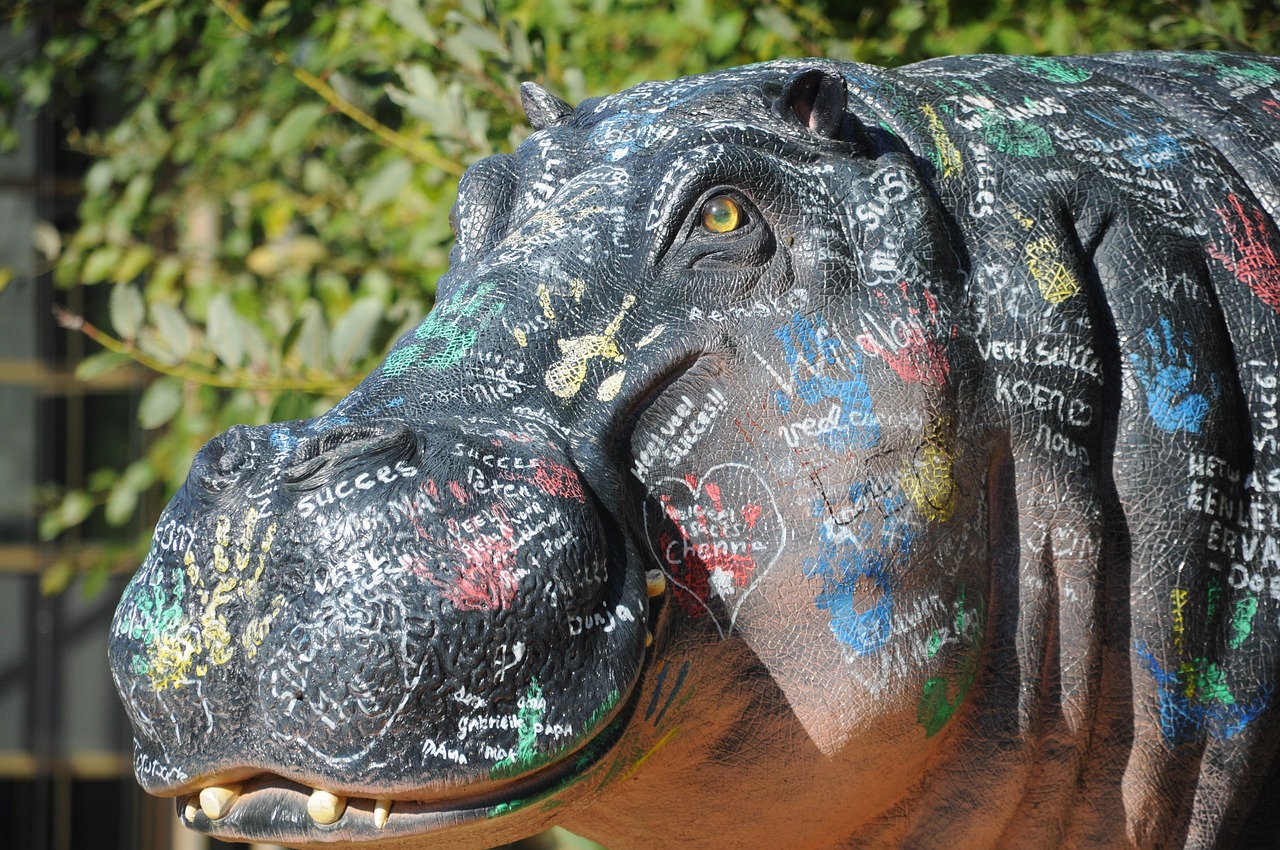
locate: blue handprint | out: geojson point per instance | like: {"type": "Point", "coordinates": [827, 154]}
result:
{"type": "Point", "coordinates": [828, 375]}
{"type": "Point", "coordinates": [1169, 378]}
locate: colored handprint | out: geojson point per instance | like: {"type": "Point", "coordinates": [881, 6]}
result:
{"type": "Point", "coordinates": [1171, 383]}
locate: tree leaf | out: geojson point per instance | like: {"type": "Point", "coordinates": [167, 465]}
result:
{"type": "Point", "coordinates": [75, 507]}
{"type": "Point", "coordinates": [312, 344]}
{"type": "Point", "coordinates": [122, 501]}
{"type": "Point", "coordinates": [293, 129]}
{"type": "Point", "coordinates": [160, 402]}
{"type": "Point", "coordinates": [385, 184]}
{"type": "Point", "coordinates": [223, 332]}
{"type": "Point", "coordinates": [99, 364]}
{"type": "Point", "coordinates": [353, 332]}
{"type": "Point", "coordinates": [127, 310]}
{"type": "Point", "coordinates": [172, 327]}
{"type": "Point", "coordinates": [100, 263]}
{"type": "Point", "coordinates": [132, 263]}
{"type": "Point", "coordinates": [408, 14]}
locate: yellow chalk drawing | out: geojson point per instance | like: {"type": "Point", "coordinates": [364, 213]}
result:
{"type": "Point", "coordinates": [651, 335]}
{"type": "Point", "coordinates": [1179, 622]}
{"type": "Point", "coordinates": [609, 387]}
{"type": "Point", "coordinates": [1055, 280]}
{"type": "Point", "coordinates": [928, 478]}
{"type": "Point", "coordinates": [192, 647]}
{"type": "Point", "coordinates": [521, 339]}
{"type": "Point", "coordinates": [544, 298]}
{"type": "Point", "coordinates": [662, 742]}
{"type": "Point", "coordinates": [565, 376]}
{"type": "Point", "coordinates": [947, 156]}
{"type": "Point", "coordinates": [1025, 220]}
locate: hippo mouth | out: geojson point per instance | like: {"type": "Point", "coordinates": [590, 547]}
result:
{"type": "Point", "coordinates": [270, 808]}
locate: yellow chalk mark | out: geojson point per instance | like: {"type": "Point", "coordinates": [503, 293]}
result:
{"type": "Point", "coordinates": [577, 288]}
{"type": "Point", "coordinates": [610, 386]}
{"type": "Point", "coordinates": [666, 739]}
{"type": "Point", "coordinates": [222, 540]}
{"type": "Point", "coordinates": [521, 339]}
{"type": "Point", "coordinates": [173, 656]}
{"type": "Point", "coordinates": [949, 159]}
{"type": "Point", "coordinates": [1055, 280]}
{"type": "Point", "coordinates": [928, 479]}
{"type": "Point", "coordinates": [1179, 604]}
{"type": "Point", "coordinates": [651, 336]}
{"type": "Point", "coordinates": [544, 298]}
{"type": "Point", "coordinates": [565, 376]}
{"type": "Point", "coordinates": [198, 644]}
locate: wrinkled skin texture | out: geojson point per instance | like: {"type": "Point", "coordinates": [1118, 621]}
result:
{"type": "Point", "coordinates": [944, 402]}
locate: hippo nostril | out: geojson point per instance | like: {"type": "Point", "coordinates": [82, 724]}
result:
{"type": "Point", "coordinates": [315, 459]}
{"type": "Point", "coordinates": [226, 457]}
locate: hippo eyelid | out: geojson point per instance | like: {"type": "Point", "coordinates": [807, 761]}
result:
{"type": "Point", "coordinates": [689, 219]}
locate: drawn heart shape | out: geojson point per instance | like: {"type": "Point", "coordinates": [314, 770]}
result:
{"type": "Point", "coordinates": [715, 537]}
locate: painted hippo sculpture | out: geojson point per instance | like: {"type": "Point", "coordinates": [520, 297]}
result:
{"type": "Point", "coordinates": [807, 455]}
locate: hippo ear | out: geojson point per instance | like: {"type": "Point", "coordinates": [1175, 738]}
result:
{"type": "Point", "coordinates": [542, 108]}
{"type": "Point", "coordinates": [816, 98]}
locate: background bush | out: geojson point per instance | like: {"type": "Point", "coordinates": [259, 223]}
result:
{"type": "Point", "coordinates": [268, 209]}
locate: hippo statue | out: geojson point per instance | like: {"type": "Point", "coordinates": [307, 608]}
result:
{"type": "Point", "coordinates": [805, 455]}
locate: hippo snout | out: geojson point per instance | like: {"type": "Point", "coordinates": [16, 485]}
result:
{"type": "Point", "coordinates": [335, 599]}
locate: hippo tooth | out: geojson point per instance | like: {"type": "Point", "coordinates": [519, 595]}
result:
{"type": "Point", "coordinates": [193, 807]}
{"type": "Point", "coordinates": [217, 800]}
{"type": "Point", "coordinates": [325, 808]}
{"type": "Point", "coordinates": [381, 811]}
{"type": "Point", "coordinates": [656, 583]}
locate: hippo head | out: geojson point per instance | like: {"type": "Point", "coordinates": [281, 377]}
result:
{"type": "Point", "coordinates": [763, 435]}
{"type": "Point", "coordinates": [432, 603]}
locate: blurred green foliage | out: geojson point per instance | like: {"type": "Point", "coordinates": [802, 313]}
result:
{"type": "Point", "coordinates": [271, 207]}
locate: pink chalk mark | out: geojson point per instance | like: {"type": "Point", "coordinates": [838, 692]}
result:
{"type": "Point", "coordinates": [919, 357]}
{"type": "Point", "coordinates": [458, 493]}
{"type": "Point", "coordinates": [713, 493]}
{"type": "Point", "coordinates": [1252, 256]}
{"type": "Point", "coordinates": [751, 514]}
{"type": "Point", "coordinates": [556, 479]}
{"type": "Point", "coordinates": [484, 580]}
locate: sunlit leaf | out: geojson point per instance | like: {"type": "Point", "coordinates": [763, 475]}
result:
{"type": "Point", "coordinates": [160, 402]}
{"type": "Point", "coordinates": [132, 263]}
{"type": "Point", "coordinates": [226, 340]}
{"type": "Point", "coordinates": [173, 329]}
{"type": "Point", "coordinates": [385, 184]}
{"type": "Point", "coordinates": [127, 310]}
{"type": "Point", "coordinates": [294, 128]}
{"type": "Point", "coordinates": [57, 576]}
{"type": "Point", "coordinates": [122, 501]}
{"type": "Point", "coordinates": [100, 364]}
{"type": "Point", "coordinates": [99, 264]}
{"type": "Point", "coordinates": [353, 332]}
{"type": "Point", "coordinates": [312, 344]}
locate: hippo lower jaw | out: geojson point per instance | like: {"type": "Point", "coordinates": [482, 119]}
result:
{"type": "Point", "coordinates": [274, 809]}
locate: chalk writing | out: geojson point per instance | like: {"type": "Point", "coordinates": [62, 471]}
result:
{"type": "Point", "coordinates": [825, 371]}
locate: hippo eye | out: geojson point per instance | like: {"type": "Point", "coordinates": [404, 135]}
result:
{"type": "Point", "coordinates": [721, 214]}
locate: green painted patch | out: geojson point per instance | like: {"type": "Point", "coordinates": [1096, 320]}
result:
{"type": "Point", "coordinates": [525, 756]}
{"type": "Point", "coordinates": [451, 329]}
{"type": "Point", "coordinates": [1015, 137]}
{"type": "Point", "coordinates": [1051, 69]}
{"type": "Point", "coordinates": [942, 696]}
{"type": "Point", "coordinates": [1242, 620]}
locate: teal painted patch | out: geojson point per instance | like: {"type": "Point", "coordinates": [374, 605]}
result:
{"type": "Point", "coordinates": [1051, 69]}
